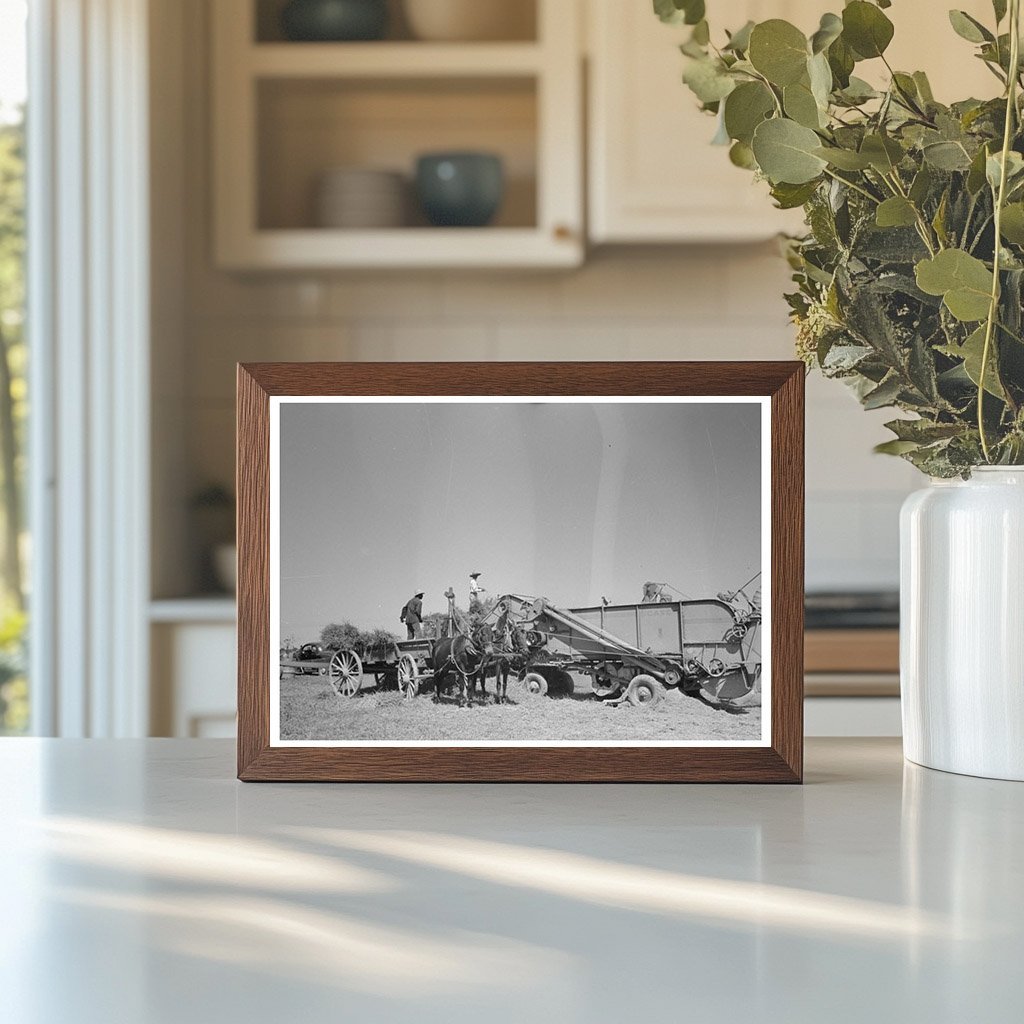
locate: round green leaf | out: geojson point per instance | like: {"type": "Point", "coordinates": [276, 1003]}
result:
{"type": "Point", "coordinates": [895, 212]}
{"type": "Point", "coordinates": [972, 352]}
{"type": "Point", "coordinates": [866, 29]}
{"type": "Point", "coordinates": [743, 156]}
{"type": "Point", "coordinates": [785, 152]}
{"type": "Point", "coordinates": [841, 61]}
{"type": "Point", "coordinates": [778, 50]}
{"type": "Point", "coordinates": [740, 39]}
{"type": "Point", "coordinates": [830, 29]}
{"type": "Point", "coordinates": [844, 159]}
{"type": "Point", "coordinates": [789, 197]}
{"type": "Point", "coordinates": [968, 28]}
{"type": "Point", "coordinates": [1012, 225]}
{"type": "Point", "coordinates": [674, 12]}
{"type": "Point", "coordinates": [1014, 169]}
{"type": "Point", "coordinates": [882, 152]}
{"type": "Point", "coordinates": [820, 76]}
{"type": "Point", "coordinates": [947, 156]}
{"type": "Point", "coordinates": [801, 106]}
{"type": "Point", "coordinates": [747, 106]}
{"type": "Point", "coordinates": [961, 279]}
{"type": "Point", "coordinates": [708, 81]}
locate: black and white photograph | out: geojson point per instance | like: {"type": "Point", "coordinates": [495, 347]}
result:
{"type": "Point", "coordinates": [519, 572]}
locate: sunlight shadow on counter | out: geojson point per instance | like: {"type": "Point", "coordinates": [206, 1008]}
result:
{"type": "Point", "coordinates": [326, 948]}
{"type": "Point", "coordinates": [648, 890]}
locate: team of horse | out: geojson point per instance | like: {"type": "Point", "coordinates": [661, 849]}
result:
{"type": "Point", "coordinates": [471, 657]}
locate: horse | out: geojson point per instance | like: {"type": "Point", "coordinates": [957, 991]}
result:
{"type": "Point", "coordinates": [482, 638]}
{"type": "Point", "coordinates": [512, 652]}
{"type": "Point", "coordinates": [460, 655]}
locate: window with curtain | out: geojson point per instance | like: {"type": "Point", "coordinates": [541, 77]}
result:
{"type": "Point", "coordinates": [14, 544]}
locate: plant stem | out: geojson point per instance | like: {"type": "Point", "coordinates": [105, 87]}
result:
{"type": "Point", "coordinates": [771, 89]}
{"type": "Point", "coordinates": [969, 218]}
{"type": "Point", "coordinates": [923, 228]}
{"type": "Point", "coordinates": [1012, 334]}
{"type": "Point", "coordinates": [993, 309]}
{"type": "Point", "coordinates": [856, 188]}
{"type": "Point", "coordinates": [981, 231]}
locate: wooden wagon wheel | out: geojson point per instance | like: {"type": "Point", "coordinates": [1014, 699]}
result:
{"type": "Point", "coordinates": [346, 671]}
{"type": "Point", "coordinates": [534, 684]}
{"type": "Point", "coordinates": [408, 676]}
{"type": "Point", "coordinates": [644, 691]}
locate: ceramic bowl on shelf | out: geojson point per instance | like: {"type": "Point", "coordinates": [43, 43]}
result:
{"type": "Point", "coordinates": [361, 198]}
{"type": "Point", "coordinates": [470, 20]}
{"type": "Point", "coordinates": [460, 189]}
{"type": "Point", "coordinates": [332, 21]}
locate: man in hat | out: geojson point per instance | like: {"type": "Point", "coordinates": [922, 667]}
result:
{"type": "Point", "coordinates": [412, 614]}
{"type": "Point", "coordinates": [475, 590]}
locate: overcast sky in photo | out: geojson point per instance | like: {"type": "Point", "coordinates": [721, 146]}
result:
{"type": "Point", "coordinates": [569, 501]}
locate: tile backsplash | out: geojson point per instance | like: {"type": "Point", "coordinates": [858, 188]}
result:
{"type": "Point", "coordinates": [702, 303]}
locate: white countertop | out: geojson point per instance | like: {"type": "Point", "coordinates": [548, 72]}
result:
{"type": "Point", "coordinates": [143, 885]}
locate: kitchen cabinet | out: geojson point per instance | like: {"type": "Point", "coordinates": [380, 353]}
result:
{"type": "Point", "coordinates": [192, 654]}
{"type": "Point", "coordinates": [653, 175]}
{"type": "Point", "coordinates": [287, 113]}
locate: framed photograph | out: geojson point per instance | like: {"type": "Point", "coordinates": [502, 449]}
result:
{"type": "Point", "coordinates": [515, 572]}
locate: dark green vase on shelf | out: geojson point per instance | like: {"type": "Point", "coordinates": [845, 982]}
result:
{"type": "Point", "coordinates": [334, 21]}
{"type": "Point", "coordinates": [460, 189]}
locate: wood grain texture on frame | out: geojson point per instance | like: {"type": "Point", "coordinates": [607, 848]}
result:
{"type": "Point", "coordinates": [780, 762]}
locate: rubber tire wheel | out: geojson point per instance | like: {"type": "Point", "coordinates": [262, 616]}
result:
{"type": "Point", "coordinates": [644, 691]}
{"type": "Point", "coordinates": [533, 684]}
{"type": "Point", "coordinates": [605, 692]}
{"type": "Point", "coordinates": [562, 684]}
{"type": "Point", "coordinates": [559, 681]}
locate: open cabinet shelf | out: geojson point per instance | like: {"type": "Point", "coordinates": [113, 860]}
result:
{"type": "Point", "coordinates": [393, 60]}
{"type": "Point", "coordinates": [286, 114]}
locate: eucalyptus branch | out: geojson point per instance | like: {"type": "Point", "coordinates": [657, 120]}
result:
{"type": "Point", "coordinates": [869, 292]}
{"type": "Point", "coordinates": [1000, 199]}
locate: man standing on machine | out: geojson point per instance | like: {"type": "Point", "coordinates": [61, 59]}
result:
{"type": "Point", "coordinates": [412, 615]}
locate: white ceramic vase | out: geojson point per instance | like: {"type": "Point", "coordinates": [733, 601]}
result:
{"type": "Point", "coordinates": [962, 624]}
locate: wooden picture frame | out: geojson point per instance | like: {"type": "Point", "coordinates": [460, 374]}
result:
{"type": "Point", "coordinates": [779, 759]}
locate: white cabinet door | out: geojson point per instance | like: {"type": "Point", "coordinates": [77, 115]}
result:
{"type": "Point", "coordinates": [653, 175]}
{"type": "Point", "coordinates": [193, 679]}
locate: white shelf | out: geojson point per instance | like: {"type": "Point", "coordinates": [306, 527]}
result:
{"type": "Point", "coordinates": [184, 610]}
{"type": "Point", "coordinates": [402, 247]}
{"type": "Point", "coordinates": [393, 60]}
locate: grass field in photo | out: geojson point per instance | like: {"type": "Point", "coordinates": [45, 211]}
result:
{"type": "Point", "coordinates": [310, 710]}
